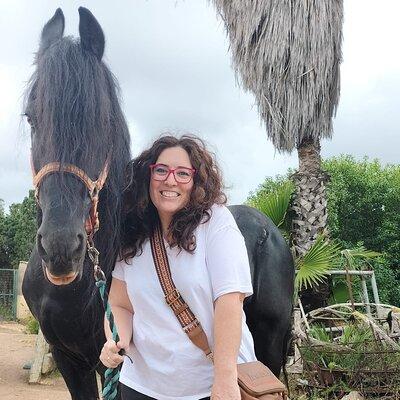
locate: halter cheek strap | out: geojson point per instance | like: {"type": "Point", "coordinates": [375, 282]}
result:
{"type": "Point", "coordinates": [94, 187]}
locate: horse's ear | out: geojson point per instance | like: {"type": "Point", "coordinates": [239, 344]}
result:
{"type": "Point", "coordinates": [92, 36]}
{"type": "Point", "coordinates": [53, 30]}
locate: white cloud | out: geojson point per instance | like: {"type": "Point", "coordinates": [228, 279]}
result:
{"type": "Point", "coordinates": [172, 61]}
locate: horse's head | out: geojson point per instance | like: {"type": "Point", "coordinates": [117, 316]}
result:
{"type": "Point", "coordinates": [74, 114]}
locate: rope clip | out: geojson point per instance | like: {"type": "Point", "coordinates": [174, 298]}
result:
{"type": "Point", "coordinates": [98, 274]}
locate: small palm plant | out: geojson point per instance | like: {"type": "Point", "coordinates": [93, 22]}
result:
{"type": "Point", "coordinates": [275, 205]}
{"type": "Point", "coordinates": [314, 265]}
{"type": "Point", "coordinates": [324, 255]}
{"type": "Point", "coordinates": [351, 257]}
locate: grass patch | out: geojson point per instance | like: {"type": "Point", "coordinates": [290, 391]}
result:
{"type": "Point", "coordinates": [32, 325]}
{"type": "Point", "coordinates": [6, 313]}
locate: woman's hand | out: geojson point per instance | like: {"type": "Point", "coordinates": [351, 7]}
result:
{"type": "Point", "coordinates": [225, 389]}
{"type": "Point", "coordinates": [109, 354]}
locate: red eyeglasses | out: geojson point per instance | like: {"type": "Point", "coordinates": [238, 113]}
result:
{"type": "Point", "coordinates": [161, 172]}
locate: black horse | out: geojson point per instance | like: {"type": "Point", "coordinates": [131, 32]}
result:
{"type": "Point", "coordinates": [73, 108]}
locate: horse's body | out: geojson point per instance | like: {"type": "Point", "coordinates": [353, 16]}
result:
{"type": "Point", "coordinates": [76, 119]}
{"type": "Point", "coordinates": [269, 309]}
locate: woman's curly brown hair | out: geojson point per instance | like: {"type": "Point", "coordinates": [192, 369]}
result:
{"type": "Point", "coordinates": [140, 215]}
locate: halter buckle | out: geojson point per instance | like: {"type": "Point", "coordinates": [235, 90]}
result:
{"type": "Point", "coordinates": [172, 297]}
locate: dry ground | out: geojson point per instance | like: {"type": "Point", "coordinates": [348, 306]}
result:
{"type": "Point", "coordinates": [16, 349]}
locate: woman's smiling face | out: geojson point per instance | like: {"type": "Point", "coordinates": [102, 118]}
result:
{"type": "Point", "coordinates": [170, 196]}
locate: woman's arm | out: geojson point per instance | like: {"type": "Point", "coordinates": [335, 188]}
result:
{"type": "Point", "coordinates": [123, 313]}
{"type": "Point", "coordinates": [227, 337]}
{"type": "Point", "coordinates": [122, 309]}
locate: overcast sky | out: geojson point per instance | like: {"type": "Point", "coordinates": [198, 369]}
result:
{"type": "Point", "coordinates": [172, 60]}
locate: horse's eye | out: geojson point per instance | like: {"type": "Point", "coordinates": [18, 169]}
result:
{"type": "Point", "coordinates": [30, 121]}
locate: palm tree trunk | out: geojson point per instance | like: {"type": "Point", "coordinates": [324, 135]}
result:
{"type": "Point", "coordinates": [309, 210]}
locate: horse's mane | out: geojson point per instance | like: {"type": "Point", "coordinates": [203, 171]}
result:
{"type": "Point", "coordinates": [74, 99]}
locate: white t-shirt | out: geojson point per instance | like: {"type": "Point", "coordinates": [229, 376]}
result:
{"type": "Point", "coordinates": [166, 364]}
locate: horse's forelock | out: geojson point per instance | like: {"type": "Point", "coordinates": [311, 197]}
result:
{"type": "Point", "coordinates": [72, 101]}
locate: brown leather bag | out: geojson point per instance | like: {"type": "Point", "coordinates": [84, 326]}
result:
{"type": "Point", "coordinates": [256, 380]}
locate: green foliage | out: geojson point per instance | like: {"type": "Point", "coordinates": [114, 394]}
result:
{"type": "Point", "coordinates": [32, 326]}
{"type": "Point", "coordinates": [17, 232]}
{"type": "Point", "coordinates": [275, 203]}
{"type": "Point", "coordinates": [346, 355]}
{"type": "Point", "coordinates": [388, 281]}
{"type": "Point", "coordinates": [317, 331]}
{"type": "Point", "coordinates": [268, 186]}
{"type": "Point", "coordinates": [363, 213]}
{"type": "Point", "coordinates": [314, 265]}
{"type": "Point", "coordinates": [4, 256]}
{"type": "Point", "coordinates": [363, 204]}
{"type": "Point", "coordinates": [5, 313]}
{"type": "Point", "coordinates": [350, 256]}
{"type": "Point", "coordinates": [340, 293]}
{"type": "Point", "coordinates": [350, 347]}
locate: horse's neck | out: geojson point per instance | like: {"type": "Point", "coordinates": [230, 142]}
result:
{"type": "Point", "coordinates": [107, 237]}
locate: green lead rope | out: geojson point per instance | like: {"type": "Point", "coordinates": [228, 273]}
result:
{"type": "Point", "coordinates": [111, 376]}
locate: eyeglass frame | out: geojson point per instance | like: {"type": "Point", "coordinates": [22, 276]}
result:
{"type": "Point", "coordinates": [171, 171]}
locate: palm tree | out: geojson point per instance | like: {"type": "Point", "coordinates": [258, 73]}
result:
{"type": "Point", "coordinates": [287, 53]}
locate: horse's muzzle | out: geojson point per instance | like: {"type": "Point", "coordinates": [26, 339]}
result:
{"type": "Point", "coordinates": [59, 280]}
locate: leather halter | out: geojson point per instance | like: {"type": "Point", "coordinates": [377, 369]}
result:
{"type": "Point", "coordinates": [92, 222]}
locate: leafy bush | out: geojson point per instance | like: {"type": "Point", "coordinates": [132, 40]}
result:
{"type": "Point", "coordinates": [363, 204]}
{"type": "Point", "coordinates": [363, 210]}
{"type": "Point", "coordinates": [354, 350]}
{"type": "Point", "coordinates": [5, 313]}
{"type": "Point", "coordinates": [388, 281]}
{"type": "Point", "coordinates": [17, 231]}
{"type": "Point", "coordinates": [32, 325]}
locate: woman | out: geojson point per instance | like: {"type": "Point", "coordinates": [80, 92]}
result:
{"type": "Point", "coordinates": [177, 184]}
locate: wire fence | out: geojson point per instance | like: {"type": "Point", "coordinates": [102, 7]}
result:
{"type": "Point", "coordinates": [8, 293]}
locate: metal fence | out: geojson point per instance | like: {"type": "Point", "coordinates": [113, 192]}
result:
{"type": "Point", "coordinates": [8, 293]}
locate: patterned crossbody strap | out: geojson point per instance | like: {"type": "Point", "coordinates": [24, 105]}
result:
{"type": "Point", "coordinates": [190, 324]}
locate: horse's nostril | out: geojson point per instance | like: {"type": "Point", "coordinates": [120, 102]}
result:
{"type": "Point", "coordinates": [81, 238]}
{"type": "Point", "coordinates": [42, 252]}
{"type": "Point", "coordinates": [81, 243]}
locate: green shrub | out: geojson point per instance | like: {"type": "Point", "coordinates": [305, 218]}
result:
{"type": "Point", "coordinates": [5, 313]}
{"type": "Point", "coordinates": [32, 326]}
{"type": "Point", "coordinates": [363, 209]}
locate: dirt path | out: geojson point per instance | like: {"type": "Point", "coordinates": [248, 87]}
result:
{"type": "Point", "coordinates": [16, 349]}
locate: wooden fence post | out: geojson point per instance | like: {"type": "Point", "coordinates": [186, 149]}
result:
{"type": "Point", "coordinates": [42, 348]}
{"type": "Point", "coordinates": [22, 308]}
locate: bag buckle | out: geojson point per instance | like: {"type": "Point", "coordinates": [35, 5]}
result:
{"type": "Point", "coordinates": [172, 297]}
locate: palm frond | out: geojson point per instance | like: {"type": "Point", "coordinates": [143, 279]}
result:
{"type": "Point", "coordinates": [275, 204]}
{"type": "Point", "coordinates": [351, 256]}
{"type": "Point", "coordinates": [313, 267]}
{"type": "Point", "coordinates": [288, 53]}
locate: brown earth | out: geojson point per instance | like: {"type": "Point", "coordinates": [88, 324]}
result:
{"type": "Point", "coordinates": [16, 349]}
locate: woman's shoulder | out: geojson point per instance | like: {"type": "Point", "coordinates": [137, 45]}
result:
{"type": "Point", "coordinates": [126, 260]}
{"type": "Point", "coordinates": [123, 262]}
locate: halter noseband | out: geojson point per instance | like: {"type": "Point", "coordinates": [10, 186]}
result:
{"type": "Point", "coordinates": [92, 222]}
